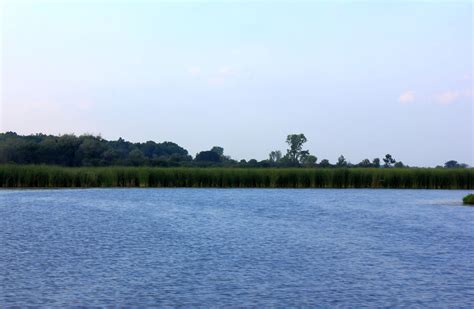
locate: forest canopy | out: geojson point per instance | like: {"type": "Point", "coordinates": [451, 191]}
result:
{"type": "Point", "coordinates": [89, 150]}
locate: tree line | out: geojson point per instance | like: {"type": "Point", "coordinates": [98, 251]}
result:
{"type": "Point", "coordinates": [89, 150]}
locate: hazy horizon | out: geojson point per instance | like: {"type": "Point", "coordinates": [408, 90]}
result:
{"type": "Point", "coordinates": [358, 79]}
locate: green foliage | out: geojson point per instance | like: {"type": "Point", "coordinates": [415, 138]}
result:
{"type": "Point", "coordinates": [309, 161]}
{"type": "Point", "coordinates": [365, 163]}
{"type": "Point", "coordinates": [399, 164]}
{"type": "Point", "coordinates": [468, 199]}
{"type": "Point", "coordinates": [41, 176]}
{"type": "Point", "coordinates": [388, 160]}
{"type": "Point", "coordinates": [219, 150]}
{"type": "Point", "coordinates": [296, 153]}
{"type": "Point", "coordinates": [208, 156]}
{"type": "Point", "coordinates": [86, 150]}
{"type": "Point", "coordinates": [341, 162]}
{"type": "Point", "coordinates": [325, 163]}
{"type": "Point", "coordinates": [94, 151]}
{"type": "Point", "coordinates": [454, 164]}
{"type": "Point", "coordinates": [275, 156]}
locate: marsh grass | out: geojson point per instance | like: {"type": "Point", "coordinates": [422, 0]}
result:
{"type": "Point", "coordinates": [44, 176]}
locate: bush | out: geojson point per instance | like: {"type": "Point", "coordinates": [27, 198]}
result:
{"type": "Point", "coordinates": [468, 199]}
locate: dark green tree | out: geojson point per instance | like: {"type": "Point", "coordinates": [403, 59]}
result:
{"type": "Point", "coordinates": [136, 157]}
{"type": "Point", "coordinates": [219, 150]}
{"type": "Point", "coordinates": [208, 156]}
{"type": "Point", "coordinates": [252, 163]}
{"type": "Point", "coordinates": [399, 164]}
{"type": "Point", "coordinates": [455, 164]}
{"type": "Point", "coordinates": [309, 161]}
{"type": "Point", "coordinates": [295, 153]}
{"type": "Point", "coordinates": [341, 162]}
{"type": "Point", "coordinates": [451, 164]}
{"type": "Point", "coordinates": [90, 151]}
{"type": "Point", "coordinates": [325, 163]}
{"type": "Point", "coordinates": [365, 163]}
{"type": "Point", "coordinates": [388, 160]}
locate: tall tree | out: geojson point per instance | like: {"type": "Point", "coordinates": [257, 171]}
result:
{"type": "Point", "coordinates": [341, 161]}
{"type": "Point", "coordinates": [295, 153]}
{"type": "Point", "coordinates": [388, 160]}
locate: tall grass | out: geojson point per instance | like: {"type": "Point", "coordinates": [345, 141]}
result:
{"type": "Point", "coordinates": [23, 176]}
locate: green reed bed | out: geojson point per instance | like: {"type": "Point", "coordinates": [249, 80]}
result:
{"type": "Point", "coordinates": [34, 176]}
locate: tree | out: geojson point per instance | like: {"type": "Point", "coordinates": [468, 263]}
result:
{"type": "Point", "coordinates": [252, 163]}
{"type": "Point", "coordinates": [66, 148]}
{"type": "Point", "coordinates": [309, 161]}
{"type": "Point", "coordinates": [325, 163]}
{"type": "Point", "coordinates": [110, 155]}
{"type": "Point", "coordinates": [376, 162]}
{"type": "Point", "coordinates": [86, 150]}
{"type": "Point", "coordinates": [136, 157]}
{"type": "Point", "coordinates": [296, 152]}
{"type": "Point", "coordinates": [208, 156]}
{"type": "Point", "coordinates": [219, 150]}
{"type": "Point", "coordinates": [275, 156]}
{"type": "Point", "coordinates": [455, 164]}
{"type": "Point", "coordinates": [451, 164]}
{"type": "Point", "coordinates": [341, 161]}
{"type": "Point", "coordinates": [399, 164]}
{"type": "Point", "coordinates": [90, 151]}
{"type": "Point", "coordinates": [365, 163]}
{"type": "Point", "coordinates": [388, 160]}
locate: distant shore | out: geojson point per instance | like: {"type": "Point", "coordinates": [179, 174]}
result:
{"type": "Point", "coordinates": [46, 176]}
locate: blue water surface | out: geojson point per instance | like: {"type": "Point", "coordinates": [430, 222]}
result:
{"type": "Point", "coordinates": [236, 248]}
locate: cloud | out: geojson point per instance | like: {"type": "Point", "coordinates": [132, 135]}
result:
{"type": "Point", "coordinates": [407, 97]}
{"type": "Point", "coordinates": [448, 97]}
{"type": "Point", "coordinates": [452, 96]}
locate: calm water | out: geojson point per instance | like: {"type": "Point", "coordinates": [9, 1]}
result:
{"type": "Point", "coordinates": [199, 247]}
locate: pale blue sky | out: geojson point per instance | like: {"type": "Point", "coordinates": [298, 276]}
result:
{"type": "Point", "coordinates": [360, 79]}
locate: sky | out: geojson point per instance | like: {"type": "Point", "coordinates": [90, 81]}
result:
{"type": "Point", "coordinates": [360, 79]}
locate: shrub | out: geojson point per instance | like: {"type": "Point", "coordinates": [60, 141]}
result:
{"type": "Point", "coordinates": [468, 199]}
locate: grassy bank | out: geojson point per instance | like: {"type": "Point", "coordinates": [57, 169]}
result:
{"type": "Point", "coordinates": [24, 176]}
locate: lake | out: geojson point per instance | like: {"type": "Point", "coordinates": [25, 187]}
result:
{"type": "Point", "coordinates": [236, 248]}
